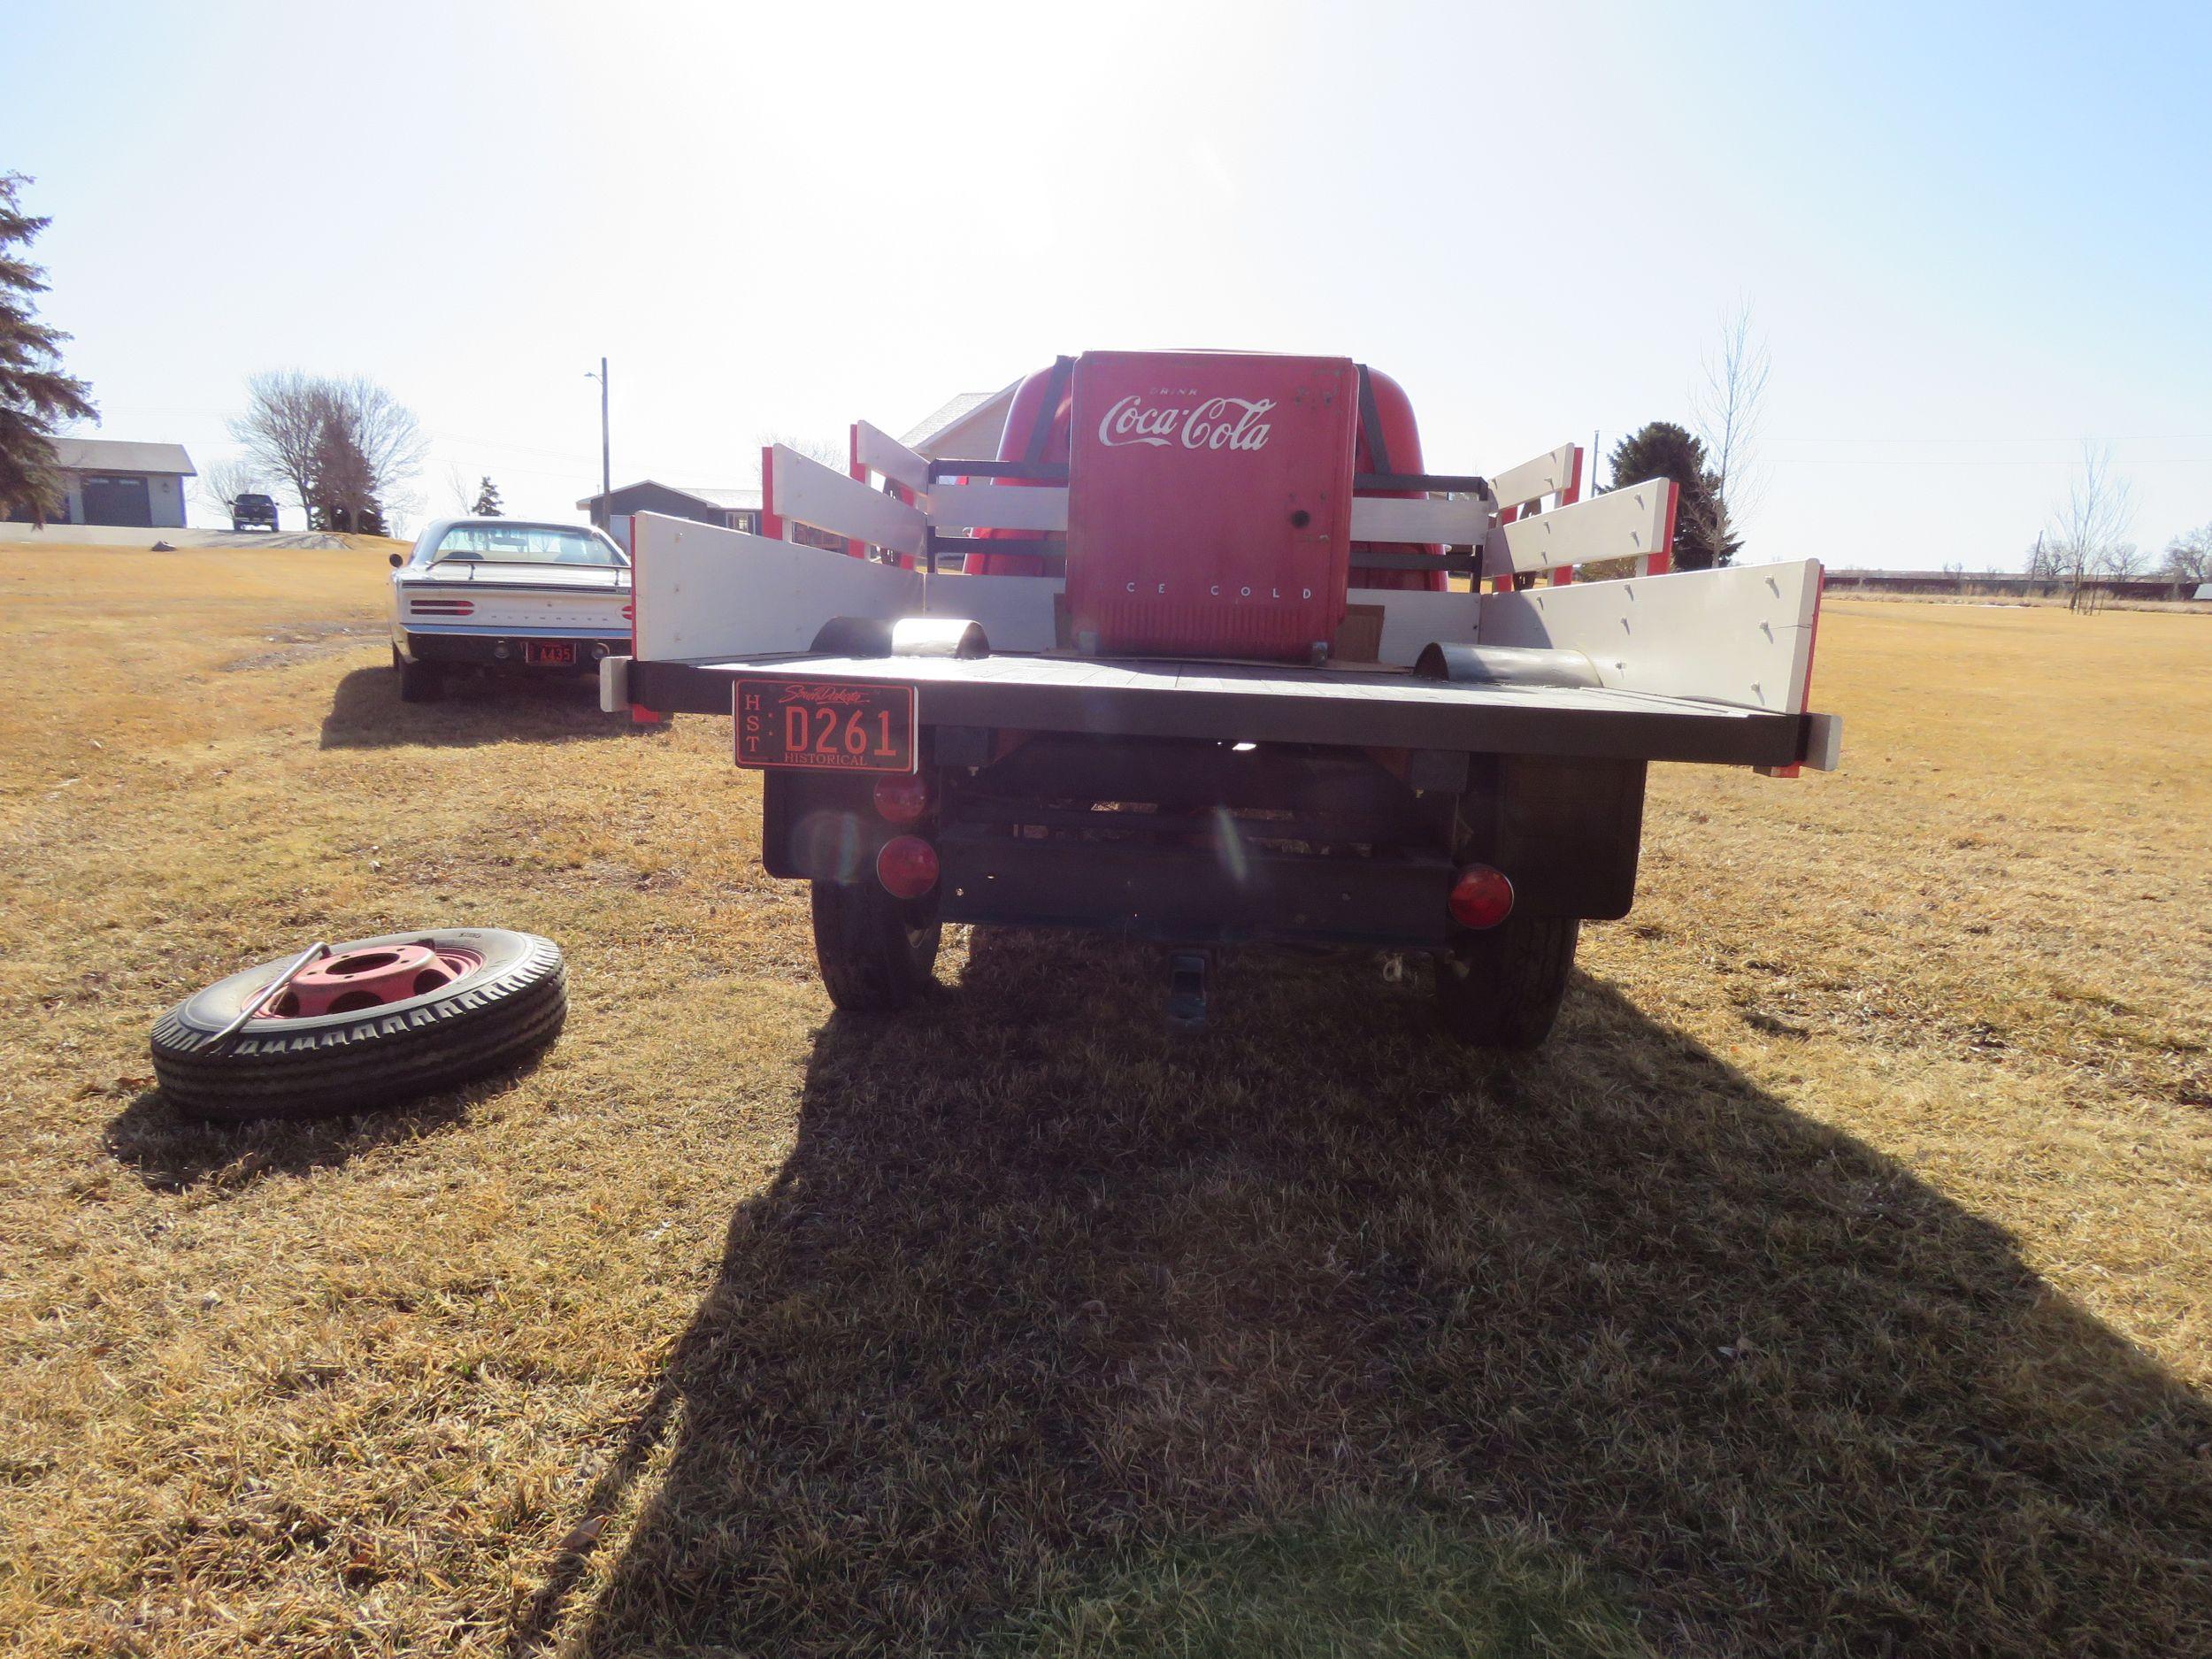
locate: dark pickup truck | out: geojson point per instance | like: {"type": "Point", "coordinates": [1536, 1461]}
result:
{"type": "Point", "coordinates": [253, 511]}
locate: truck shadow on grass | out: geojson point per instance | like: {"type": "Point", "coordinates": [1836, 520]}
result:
{"type": "Point", "coordinates": [1042, 1290]}
{"type": "Point", "coordinates": [365, 712]}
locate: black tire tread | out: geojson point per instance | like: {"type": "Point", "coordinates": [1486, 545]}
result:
{"type": "Point", "coordinates": [1514, 980]}
{"type": "Point", "coordinates": [418, 681]}
{"type": "Point", "coordinates": [483, 1027]}
{"type": "Point", "coordinates": [861, 946]}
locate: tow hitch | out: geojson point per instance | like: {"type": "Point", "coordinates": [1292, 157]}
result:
{"type": "Point", "coordinates": [1186, 990]}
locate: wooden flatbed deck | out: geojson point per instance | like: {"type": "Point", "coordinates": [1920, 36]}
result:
{"type": "Point", "coordinates": [1238, 703]}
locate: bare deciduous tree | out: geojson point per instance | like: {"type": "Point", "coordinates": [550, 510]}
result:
{"type": "Point", "coordinates": [2122, 561]}
{"type": "Point", "coordinates": [2043, 559]}
{"type": "Point", "coordinates": [1731, 409]}
{"type": "Point", "coordinates": [385, 434]}
{"type": "Point", "coordinates": [2189, 556]}
{"type": "Point", "coordinates": [222, 482]}
{"type": "Point", "coordinates": [348, 449]}
{"type": "Point", "coordinates": [835, 454]}
{"type": "Point", "coordinates": [281, 427]}
{"type": "Point", "coordinates": [2089, 527]}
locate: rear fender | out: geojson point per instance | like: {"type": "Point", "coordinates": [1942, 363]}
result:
{"type": "Point", "coordinates": [818, 826]}
{"type": "Point", "coordinates": [1567, 831]}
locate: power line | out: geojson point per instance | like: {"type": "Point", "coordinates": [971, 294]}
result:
{"type": "Point", "coordinates": [1826, 460]}
{"type": "Point", "coordinates": [501, 443]}
{"type": "Point", "coordinates": [2166, 437]}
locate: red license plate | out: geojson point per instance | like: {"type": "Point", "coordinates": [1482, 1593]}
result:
{"type": "Point", "coordinates": [550, 653]}
{"type": "Point", "coordinates": [826, 725]}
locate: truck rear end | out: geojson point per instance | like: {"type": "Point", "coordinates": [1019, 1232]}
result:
{"type": "Point", "coordinates": [1253, 685]}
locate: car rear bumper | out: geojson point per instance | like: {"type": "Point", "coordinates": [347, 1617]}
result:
{"type": "Point", "coordinates": [517, 647]}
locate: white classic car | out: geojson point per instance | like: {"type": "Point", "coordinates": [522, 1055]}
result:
{"type": "Point", "coordinates": [506, 593]}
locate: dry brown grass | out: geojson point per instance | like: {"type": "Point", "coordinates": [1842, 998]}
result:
{"type": "Point", "coordinates": [1984, 598]}
{"type": "Point", "coordinates": [1836, 1283]}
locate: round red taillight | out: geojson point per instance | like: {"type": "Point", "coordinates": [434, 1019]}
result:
{"type": "Point", "coordinates": [901, 799]}
{"type": "Point", "coordinates": [1481, 897]}
{"type": "Point", "coordinates": [907, 866]}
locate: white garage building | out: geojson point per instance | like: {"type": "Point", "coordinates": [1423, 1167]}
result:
{"type": "Point", "coordinates": [114, 482]}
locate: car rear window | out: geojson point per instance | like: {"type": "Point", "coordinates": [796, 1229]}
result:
{"type": "Point", "coordinates": [524, 544]}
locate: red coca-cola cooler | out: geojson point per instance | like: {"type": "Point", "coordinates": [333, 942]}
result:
{"type": "Point", "coordinates": [1209, 498]}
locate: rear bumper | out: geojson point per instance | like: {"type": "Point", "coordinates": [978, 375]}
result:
{"type": "Point", "coordinates": [1193, 895]}
{"type": "Point", "coordinates": [511, 650]}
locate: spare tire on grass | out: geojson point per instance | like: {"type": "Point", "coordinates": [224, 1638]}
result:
{"type": "Point", "coordinates": [376, 1022]}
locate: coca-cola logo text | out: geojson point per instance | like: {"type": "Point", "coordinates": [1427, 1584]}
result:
{"type": "Point", "coordinates": [1212, 423]}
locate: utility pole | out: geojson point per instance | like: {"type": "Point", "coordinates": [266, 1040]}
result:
{"type": "Point", "coordinates": [606, 463]}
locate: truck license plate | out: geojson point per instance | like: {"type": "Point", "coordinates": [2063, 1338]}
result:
{"type": "Point", "coordinates": [826, 725]}
{"type": "Point", "coordinates": [550, 653]}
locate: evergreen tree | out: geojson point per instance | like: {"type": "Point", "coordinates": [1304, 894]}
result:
{"type": "Point", "coordinates": [35, 393]}
{"type": "Point", "coordinates": [1703, 536]}
{"type": "Point", "coordinates": [487, 499]}
{"type": "Point", "coordinates": [342, 484]}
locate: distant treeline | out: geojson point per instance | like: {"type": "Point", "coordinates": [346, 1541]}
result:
{"type": "Point", "coordinates": [2006, 586]}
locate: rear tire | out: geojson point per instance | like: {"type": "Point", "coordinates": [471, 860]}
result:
{"type": "Point", "coordinates": [877, 953]}
{"type": "Point", "coordinates": [419, 682]}
{"type": "Point", "coordinates": [1502, 988]}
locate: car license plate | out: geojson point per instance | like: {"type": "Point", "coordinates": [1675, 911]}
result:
{"type": "Point", "coordinates": [550, 653]}
{"type": "Point", "coordinates": [826, 725]}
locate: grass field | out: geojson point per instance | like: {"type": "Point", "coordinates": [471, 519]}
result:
{"type": "Point", "coordinates": [1840, 1280]}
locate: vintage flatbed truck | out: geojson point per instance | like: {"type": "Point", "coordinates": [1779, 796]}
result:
{"type": "Point", "coordinates": [1221, 665]}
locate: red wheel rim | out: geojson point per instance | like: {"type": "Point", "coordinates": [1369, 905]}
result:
{"type": "Point", "coordinates": [371, 976]}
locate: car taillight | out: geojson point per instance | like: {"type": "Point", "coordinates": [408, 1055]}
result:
{"type": "Point", "coordinates": [441, 607]}
{"type": "Point", "coordinates": [1481, 897]}
{"type": "Point", "coordinates": [901, 799]}
{"type": "Point", "coordinates": [907, 866]}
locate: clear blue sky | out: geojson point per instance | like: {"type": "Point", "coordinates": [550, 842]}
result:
{"type": "Point", "coordinates": [1974, 235]}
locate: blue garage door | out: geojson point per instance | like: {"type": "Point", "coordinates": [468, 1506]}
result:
{"type": "Point", "coordinates": [117, 501]}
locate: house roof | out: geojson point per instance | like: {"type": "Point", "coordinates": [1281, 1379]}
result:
{"type": "Point", "coordinates": [112, 455]}
{"type": "Point", "coordinates": [965, 429]}
{"type": "Point", "coordinates": [721, 497]}
{"type": "Point", "coordinates": [943, 416]}
{"type": "Point", "coordinates": [710, 496]}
